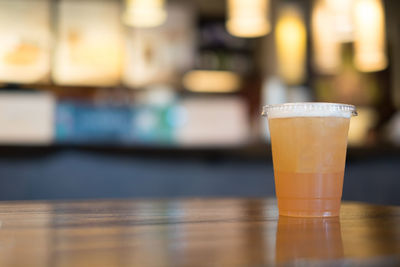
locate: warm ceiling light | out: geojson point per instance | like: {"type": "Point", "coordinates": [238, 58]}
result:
{"type": "Point", "coordinates": [25, 41]}
{"type": "Point", "coordinates": [370, 43]}
{"type": "Point", "coordinates": [144, 13]}
{"type": "Point", "coordinates": [291, 45]}
{"type": "Point", "coordinates": [326, 48]}
{"type": "Point", "coordinates": [208, 81]}
{"type": "Point", "coordinates": [85, 53]}
{"type": "Point", "coordinates": [248, 18]}
{"type": "Point", "coordinates": [341, 13]}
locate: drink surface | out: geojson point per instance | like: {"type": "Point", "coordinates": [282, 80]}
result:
{"type": "Point", "coordinates": [309, 156]}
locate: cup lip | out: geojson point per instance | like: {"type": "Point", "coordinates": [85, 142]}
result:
{"type": "Point", "coordinates": [310, 106]}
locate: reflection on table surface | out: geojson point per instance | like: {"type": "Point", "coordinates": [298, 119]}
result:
{"type": "Point", "coordinates": [194, 232]}
{"type": "Point", "coordinates": [308, 238]}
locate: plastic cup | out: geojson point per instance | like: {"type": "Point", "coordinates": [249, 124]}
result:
{"type": "Point", "coordinates": [309, 142]}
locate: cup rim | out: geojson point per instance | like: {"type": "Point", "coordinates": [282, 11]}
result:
{"type": "Point", "coordinates": [309, 107]}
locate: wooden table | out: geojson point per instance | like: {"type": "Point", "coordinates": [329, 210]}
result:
{"type": "Point", "coordinates": [193, 232]}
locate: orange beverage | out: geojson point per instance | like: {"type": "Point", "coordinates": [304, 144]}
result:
{"type": "Point", "coordinates": [309, 142]}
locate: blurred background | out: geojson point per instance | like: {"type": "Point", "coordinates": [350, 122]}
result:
{"type": "Point", "coordinates": [162, 98]}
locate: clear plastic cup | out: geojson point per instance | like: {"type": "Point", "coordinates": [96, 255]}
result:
{"type": "Point", "coordinates": [309, 142]}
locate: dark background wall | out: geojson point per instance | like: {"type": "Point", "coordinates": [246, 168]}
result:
{"type": "Point", "coordinates": [82, 173]}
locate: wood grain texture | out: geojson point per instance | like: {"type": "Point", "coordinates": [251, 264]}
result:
{"type": "Point", "coordinates": [193, 232]}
